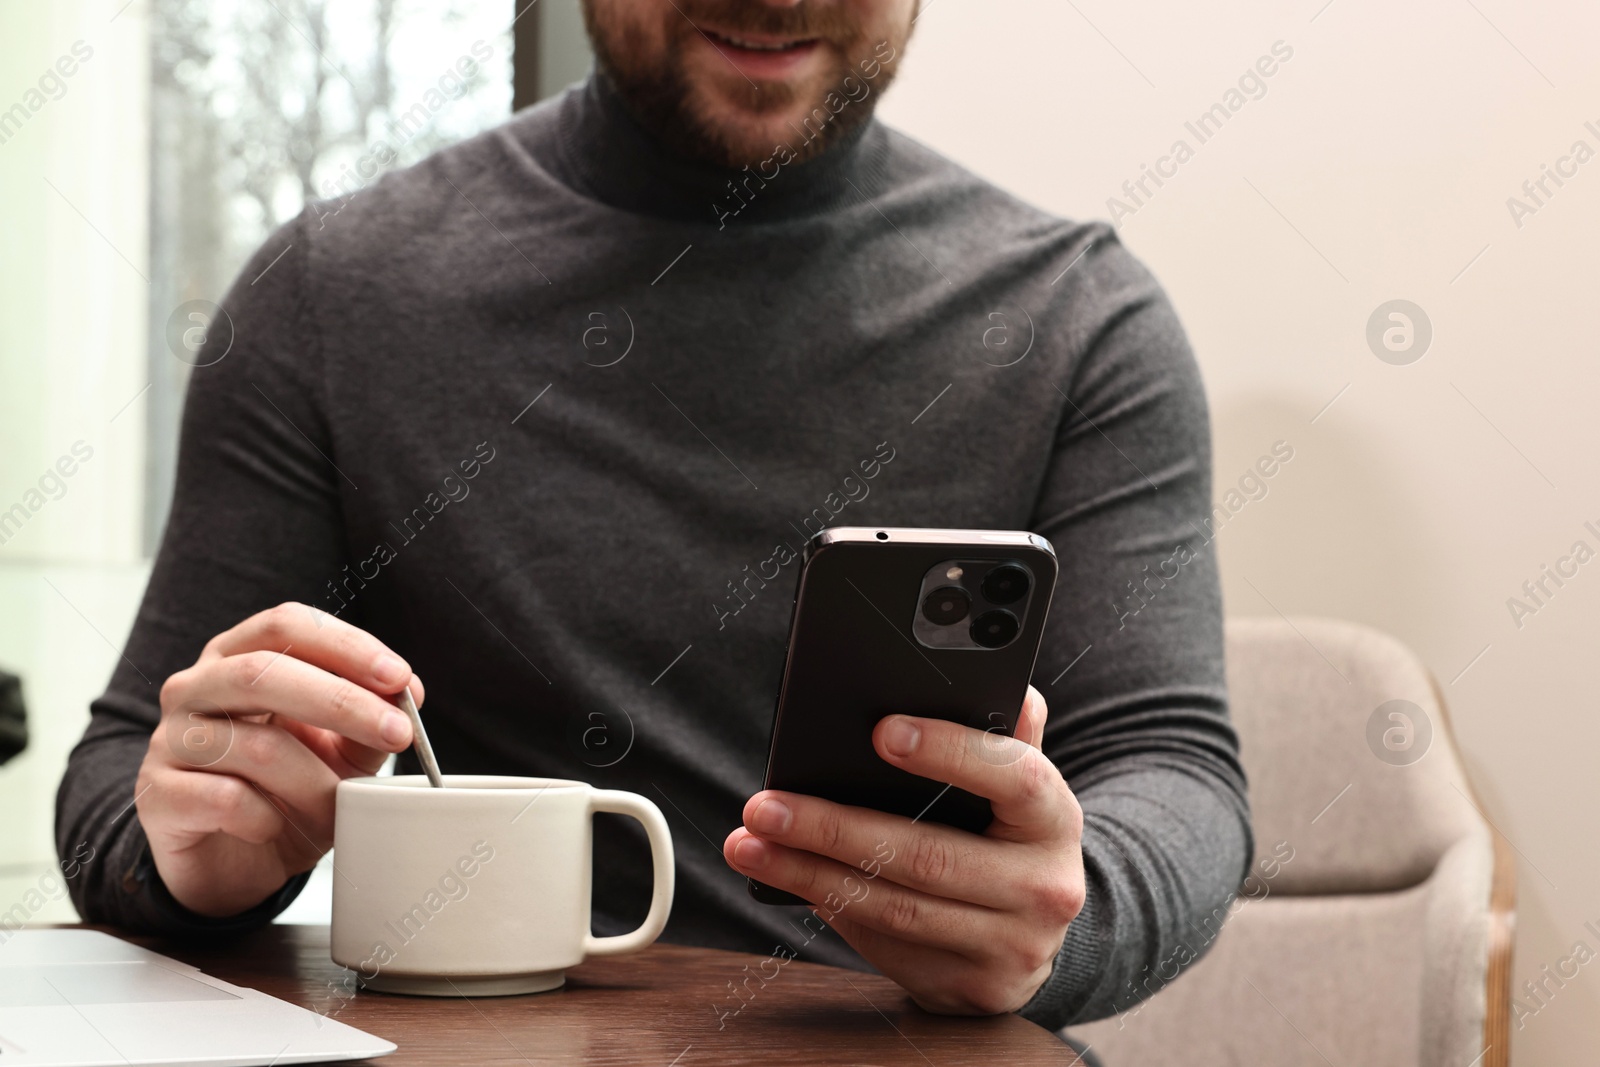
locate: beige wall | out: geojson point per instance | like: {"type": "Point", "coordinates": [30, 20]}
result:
{"type": "Point", "coordinates": [72, 368]}
{"type": "Point", "coordinates": [72, 288]}
{"type": "Point", "coordinates": [1376, 166]}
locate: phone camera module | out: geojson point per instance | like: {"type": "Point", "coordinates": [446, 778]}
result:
{"type": "Point", "coordinates": [994, 629]}
{"type": "Point", "coordinates": [946, 606]}
{"type": "Point", "coordinates": [1006, 584]}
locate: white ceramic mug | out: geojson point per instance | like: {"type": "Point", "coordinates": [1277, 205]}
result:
{"type": "Point", "coordinates": [480, 888]}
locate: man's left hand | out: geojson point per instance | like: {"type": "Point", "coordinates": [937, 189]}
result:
{"type": "Point", "coordinates": [965, 923]}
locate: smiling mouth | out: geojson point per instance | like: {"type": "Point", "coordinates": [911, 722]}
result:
{"type": "Point", "coordinates": [748, 45]}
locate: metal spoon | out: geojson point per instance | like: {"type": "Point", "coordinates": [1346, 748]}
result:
{"type": "Point", "coordinates": [419, 740]}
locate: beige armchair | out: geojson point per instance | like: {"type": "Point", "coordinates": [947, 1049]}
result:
{"type": "Point", "coordinates": [1386, 938]}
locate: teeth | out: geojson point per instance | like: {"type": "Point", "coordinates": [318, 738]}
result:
{"type": "Point", "coordinates": [753, 46]}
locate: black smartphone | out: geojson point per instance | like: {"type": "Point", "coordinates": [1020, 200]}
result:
{"type": "Point", "coordinates": [936, 623]}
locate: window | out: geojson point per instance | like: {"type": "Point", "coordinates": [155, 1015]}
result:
{"type": "Point", "coordinates": [258, 106]}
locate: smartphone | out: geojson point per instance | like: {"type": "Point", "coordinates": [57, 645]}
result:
{"type": "Point", "coordinates": [936, 623]}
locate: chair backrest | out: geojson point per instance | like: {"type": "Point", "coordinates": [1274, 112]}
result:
{"type": "Point", "coordinates": [1383, 938]}
{"type": "Point", "coordinates": [1348, 754]}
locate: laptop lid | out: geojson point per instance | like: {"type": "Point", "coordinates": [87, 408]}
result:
{"type": "Point", "coordinates": [81, 998]}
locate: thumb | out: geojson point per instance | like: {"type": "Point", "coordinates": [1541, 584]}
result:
{"type": "Point", "coordinates": [1030, 724]}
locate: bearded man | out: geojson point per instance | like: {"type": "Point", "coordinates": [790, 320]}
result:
{"type": "Point", "coordinates": [546, 420]}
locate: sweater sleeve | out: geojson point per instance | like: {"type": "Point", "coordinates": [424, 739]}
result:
{"type": "Point", "coordinates": [255, 521]}
{"type": "Point", "coordinates": [1132, 665]}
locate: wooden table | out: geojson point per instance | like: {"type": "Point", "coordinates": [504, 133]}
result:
{"type": "Point", "coordinates": [668, 1006]}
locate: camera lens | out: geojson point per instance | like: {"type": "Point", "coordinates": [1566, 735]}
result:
{"type": "Point", "coordinates": [946, 605]}
{"type": "Point", "coordinates": [1006, 584]}
{"type": "Point", "coordinates": [993, 629]}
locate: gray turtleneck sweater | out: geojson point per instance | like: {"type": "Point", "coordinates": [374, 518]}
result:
{"type": "Point", "coordinates": [535, 410]}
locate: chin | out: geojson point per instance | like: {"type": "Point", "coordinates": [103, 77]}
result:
{"type": "Point", "coordinates": [705, 106]}
{"type": "Point", "coordinates": [747, 134]}
{"type": "Point", "coordinates": [748, 137]}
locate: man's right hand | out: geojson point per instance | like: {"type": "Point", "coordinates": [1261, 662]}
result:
{"type": "Point", "coordinates": [236, 792]}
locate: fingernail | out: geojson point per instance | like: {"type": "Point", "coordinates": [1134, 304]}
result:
{"type": "Point", "coordinates": [751, 853]}
{"type": "Point", "coordinates": [390, 670]}
{"type": "Point", "coordinates": [900, 737]}
{"type": "Point", "coordinates": [395, 728]}
{"type": "Point", "coordinates": [770, 817]}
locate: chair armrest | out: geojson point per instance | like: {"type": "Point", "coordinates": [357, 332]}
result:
{"type": "Point", "coordinates": [1500, 922]}
{"type": "Point", "coordinates": [1456, 1001]}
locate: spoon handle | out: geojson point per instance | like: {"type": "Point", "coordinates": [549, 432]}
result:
{"type": "Point", "coordinates": [419, 739]}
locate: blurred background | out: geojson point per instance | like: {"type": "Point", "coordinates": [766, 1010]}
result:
{"type": "Point", "coordinates": [1368, 248]}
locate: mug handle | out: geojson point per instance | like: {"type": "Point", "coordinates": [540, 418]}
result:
{"type": "Point", "coordinates": [618, 802]}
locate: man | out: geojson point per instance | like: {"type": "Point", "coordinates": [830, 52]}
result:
{"type": "Point", "coordinates": [546, 419]}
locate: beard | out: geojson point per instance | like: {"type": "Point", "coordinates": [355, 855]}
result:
{"type": "Point", "coordinates": [658, 91]}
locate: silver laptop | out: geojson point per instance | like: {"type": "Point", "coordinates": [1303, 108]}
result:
{"type": "Point", "coordinates": [79, 998]}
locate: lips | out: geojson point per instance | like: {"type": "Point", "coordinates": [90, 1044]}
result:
{"type": "Point", "coordinates": [758, 43]}
{"type": "Point", "coordinates": [764, 57]}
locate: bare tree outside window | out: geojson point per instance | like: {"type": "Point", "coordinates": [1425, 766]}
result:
{"type": "Point", "coordinates": [259, 107]}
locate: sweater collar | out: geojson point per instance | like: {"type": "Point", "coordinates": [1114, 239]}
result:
{"type": "Point", "coordinates": [605, 153]}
